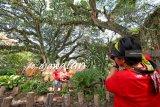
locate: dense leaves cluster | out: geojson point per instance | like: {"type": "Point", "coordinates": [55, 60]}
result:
{"type": "Point", "coordinates": [37, 84]}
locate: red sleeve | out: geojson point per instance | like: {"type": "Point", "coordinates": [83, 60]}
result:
{"type": "Point", "coordinates": [114, 83]}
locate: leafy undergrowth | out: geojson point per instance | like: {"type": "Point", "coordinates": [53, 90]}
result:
{"type": "Point", "coordinates": [37, 85]}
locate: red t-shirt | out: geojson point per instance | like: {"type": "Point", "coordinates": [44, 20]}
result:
{"type": "Point", "coordinates": [132, 90]}
{"type": "Point", "coordinates": [57, 74]}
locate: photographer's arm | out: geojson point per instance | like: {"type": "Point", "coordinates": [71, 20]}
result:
{"type": "Point", "coordinates": [112, 72]}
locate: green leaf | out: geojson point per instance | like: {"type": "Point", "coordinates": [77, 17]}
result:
{"type": "Point", "coordinates": [84, 3]}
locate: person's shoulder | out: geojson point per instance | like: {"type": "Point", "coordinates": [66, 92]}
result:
{"type": "Point", "coordinates": [124, 72]}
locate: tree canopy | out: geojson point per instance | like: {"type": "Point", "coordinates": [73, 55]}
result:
{"type": "Point", "coordinates": [55, 29]}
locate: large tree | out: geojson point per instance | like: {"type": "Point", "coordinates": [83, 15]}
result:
{"type": "Point", "coordinates": [125, 17]}
{"type": "Point", "coordinates": [48, 28]}
{"type": "Point", "coordinates": [34, 24]}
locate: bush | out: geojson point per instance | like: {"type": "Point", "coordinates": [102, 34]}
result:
{"type": "Point", "coordinates": [10, 81]}
{"type": "Point", "coordinates": [19, 59]}
{"type": "Point", "coordinates": [4, 80]}
{"type": "Point", "coordinates": [8, 71]}
{"type": "Point", "coordinates": [42, 88]}
{"type": "Point", "coordinates": [37, 84]}
{"type": "Point", "coordinates": [26, 86]}
{"type": "Point", "coordinates": [88, 80]}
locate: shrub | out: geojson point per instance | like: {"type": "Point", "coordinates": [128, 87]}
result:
{"type": "Point", "coordinates": [88, 80]}
{"type": "Point", "coordinates": [10, 81]}
{"type": "Point", "coordinates": [37, 84]}
{"type": "Point", "coordinates": [42, 88]}
{"type": "Point", "coordinates": [26, 86]}
{"type": "Point", "coordinates": [8, 71]}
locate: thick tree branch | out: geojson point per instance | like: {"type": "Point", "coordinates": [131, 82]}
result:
{"type": "Point", "coordinates": [66, 56]}
{"type": "Point", "coordinates": [65, 39]}
{"type": "Point", "coordinates": [71, 42]}
{"type": "Point", "coordinates": [79, 10]}
{"type": "Point", "coordinates": [77, 22]}
{"type": "Point", "coordinates": [31, 42]}
{"type": "Point", "coordinates": [93, 5]}
{"type": "Point", "coordinates": [75, 57]}
{"type": "Point", "coordinates": [152, 17]}
{"type": "Point", "coordinates": [111, 25]}
{"type": "Point", "coordinates": [69, 22]}
{"type": "Point", "coordinates": [52, 44]}
{"type": "Point", "coordinates": [72, 50]}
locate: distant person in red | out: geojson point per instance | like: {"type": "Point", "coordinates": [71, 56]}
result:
{"type": "Point", "coordinates": [136, 82]}
{"type": "Point", "coordinates": [57, 80]}
{"type": "Point", "coordinates": [64, 75]}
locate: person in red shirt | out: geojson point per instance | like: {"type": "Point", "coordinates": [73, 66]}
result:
{"type": "Point", "coordinates": [57, 80]}
{"type": "Point", "coordinates": [136, 82]}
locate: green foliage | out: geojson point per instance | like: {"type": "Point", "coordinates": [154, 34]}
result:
{"type": "Point", "coordinates": [18, 59]}
{"type": "Point", "coordinates": [127, 2]}
{"type": "Point", "coordinates": [90, 82]}
{"type": "Point", "coordinates": [102, 92]}
{"type": "Point", "coordinates": [64, 91]}
{"type": "Point", "coordinates": [37, 84]}
{"type": "Point", "coordinates": [10, 81]}
{"type": "Point", "coordinates": [8, 70]}
{"type": "Point", "coordinates": [42, 88]}
{"type": "Point", "coordinates": [84, 3]}
{"type": "Point", "coordinates": [11, 63]}
{"type": "Point", "coordinates": [48, 38]}
{"type": "Point", "coordinates": [14, 80]}
{"type": "Point", "coordinates": [87, 80]}
{"type": "Point", "coordinates": [97, 56]}
{"type": "Point", "coordinates": [134, 30]}
{"type": "Point", "coordinates": [4, 80]}
{"type": "Point", "coordinates": [20, 17]}
{"type": "Point", "coordinates": [26, 86]}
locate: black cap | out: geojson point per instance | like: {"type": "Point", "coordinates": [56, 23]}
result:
{"type": "Point", "coordinates": [115, 52]}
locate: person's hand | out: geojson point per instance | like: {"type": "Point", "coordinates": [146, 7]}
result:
{"type": "Point", "coordinates": [114, 69]}
{"type": "Point", "coordinates": [113, 62]}
{"type": "Point", "coordinates": [115, 65]}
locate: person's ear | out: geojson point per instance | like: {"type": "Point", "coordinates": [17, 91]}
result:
{"type": "Point", "coordinates": [122, 61]}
